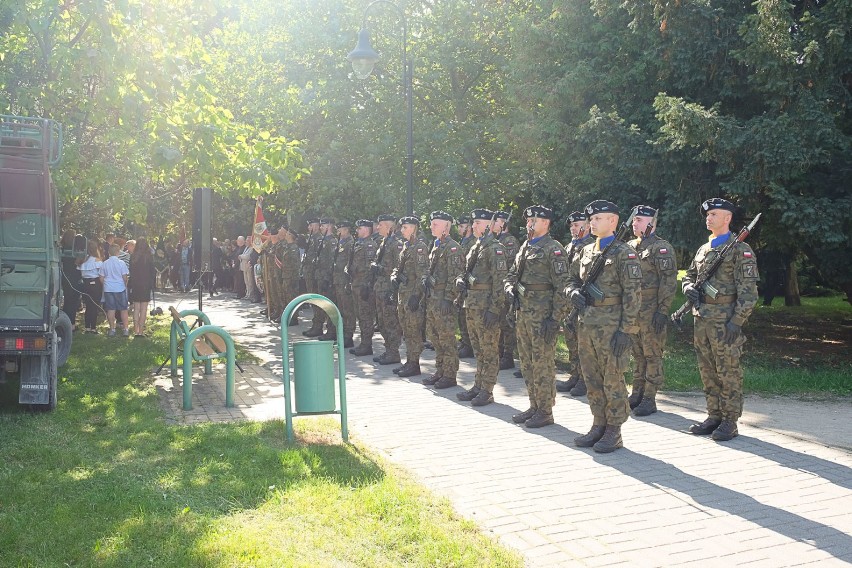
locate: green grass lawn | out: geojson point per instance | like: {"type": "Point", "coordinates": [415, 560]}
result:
{"type": "Point", "coordinates": [106, 481]}
{"type": "Point", "coordinates": [790, 350]}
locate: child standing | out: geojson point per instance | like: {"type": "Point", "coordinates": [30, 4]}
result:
{"type": "Point", "coordinates": [114, 274]}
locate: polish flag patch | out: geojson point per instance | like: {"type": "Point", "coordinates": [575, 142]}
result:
{"type": "Point", "coordinates": [454, 249]}
{"type": "Point", "coordinates": [631, 255]}
{"type": "Point", "coordinates": [557, 252]}
{"type": "Point", "coordinates": [499, 253]}
{"type": "Point", "coordinates": [420, 250]}
{"type": "Point", "coordinates": [746, 254]}
{"type": "Point", "coordinates": [664, 251]}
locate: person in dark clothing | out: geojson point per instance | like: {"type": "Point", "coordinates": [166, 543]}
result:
{"type": "Point", "coordinates": [72, 281]}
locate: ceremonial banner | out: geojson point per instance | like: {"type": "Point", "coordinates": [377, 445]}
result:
{"type": "Point", "coordinates": [259, 227]}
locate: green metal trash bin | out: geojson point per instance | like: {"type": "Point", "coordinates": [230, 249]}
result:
{"type": "Point", "coordinates": [313, 376]}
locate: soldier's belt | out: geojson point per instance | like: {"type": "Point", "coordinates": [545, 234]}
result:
{"type": "Point", "coordinates": [537, 287]}
{"type": "Point", "coordinates": [720, 299]}
{"type": "Point", "coordinates": [613, 301]}
{"type": "Point", "coordinates": [654, 288]}
{"type": "Point", "coordinates": [481, 287]}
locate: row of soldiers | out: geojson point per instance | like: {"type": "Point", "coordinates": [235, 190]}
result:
{"type": "Point", "coordinates": [503, 296]}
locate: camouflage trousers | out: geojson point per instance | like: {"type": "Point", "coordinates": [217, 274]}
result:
{"type": "Point", "coordinates": [319, 315]}
{"type": "Point", "coordinates": [346, 304]}
{"type": "Point", "coordinates": [412, 328]}
{"type": "Point", "coordinates": [538, 358]}
{"type": "Point", "coordinates": [508, 340]}
{"type": "Point", "coordinates": [647, 351]}
{"type": "Point", "coordinates": [719, 365]}
{"type": "Point", "coordinates": [604, 374]}
{"type": "Point", "coordinates": [274, 296]}
{"type": "Point", "coordinates": [366, 310]}
{"type": "Point", "coordinates": [485, 343]}
{"type": "Point", "coordinates": [441, 331]}
{"type": "Point", "coordinates": [389, 326]}
{"type": "Point", "coordinates": [463, 331]}
{"type": "Point", "coordinates": [573, 351]}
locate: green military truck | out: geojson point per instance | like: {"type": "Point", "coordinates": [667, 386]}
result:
{"type": "Point", "coordinates": [35, 335]}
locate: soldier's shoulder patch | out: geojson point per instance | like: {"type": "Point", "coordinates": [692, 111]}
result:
{"type": "Point", "coordinates": [631, 255]}
{"type": "Point", "coordinates": [557, 252]}
{"type": "Point", "coordinates": [634, 272]}
{"type": "Point", "coordinates": [560, 267]}
{"type": "Point", "coordinates": [499, 252]}
{"type": "Point", "coordinates": [501, 264]}
{"type": "Point", "coordinates": [419, 249]}
{"type": "Point", "coordinates": [664, 250]}
{"type": "Point", "coordinates": [747, 254]}
{"type": "Point", "coordinates": [750, 271]}
{"type": "Point", "coordinates": [454, 249]}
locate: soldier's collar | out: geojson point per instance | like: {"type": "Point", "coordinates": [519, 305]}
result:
{"type": "Point", "coordinates": [721, 239]}
{"type": "Point", "coordinates": [604, 242]}
{"type": "Point", "coordinates": [537, 239]}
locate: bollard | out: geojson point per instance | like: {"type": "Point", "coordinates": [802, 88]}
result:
{"type": "Point", "coordinates": [313, 376]}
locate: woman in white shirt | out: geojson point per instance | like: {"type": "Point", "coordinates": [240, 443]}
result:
{"type": "Point", "coordinates": [92, 286]}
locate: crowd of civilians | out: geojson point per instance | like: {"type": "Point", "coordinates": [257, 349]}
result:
{"type": "Point", "coordinates": [117, 277]}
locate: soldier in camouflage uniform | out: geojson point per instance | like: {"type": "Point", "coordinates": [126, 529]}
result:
{"type": "Point", "coordinates": [466, 241]}
{"type": "Point", "coordinates": [272, 277]}
{"type": "Point", "coordinates": [481, 290]}
{"type": "Point", "coordinates": [659, 284]}
{"type": "Point", "coordinates": [718, 321]}
{"type": "Point", "coordinates": [324, 272]}
{"type": "Point", "coordinates": [536, 280]}
{"type": "Point", "coordinates": [342, 283]}
{"type": "Point", "coordinates": [387, 257]}
{"type": "Point", "coordinates": [508, 337]}
{"type": "Point", "coordinates": [309, 266]}
{"type": "Point", "coordinates": [445, 265]}
{"type": "Point", "coordinates": [605, 325]}
{"type": "Point", "coordinates": [413, 264]}
{"type": "Point", "coordinates": [363, 254]}
{"type": "Point", "coordinates": [578, 226]}
{"type": "Point", "coordinates": [290, 258]}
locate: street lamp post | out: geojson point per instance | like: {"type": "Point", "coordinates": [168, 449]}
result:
{"type": "Point", "coordinates": [363, 59]}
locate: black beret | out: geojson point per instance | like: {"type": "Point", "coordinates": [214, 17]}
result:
{"type": "Point", "coordinates": [482, 214]}
{"type": "Point", "coordinates": [576, 216]}
{"type": "Point", "coordinates": [644, 211]}
{"type": "Point", "coordinates": [718, 203]}
{"type": "Point", "coordinates": [312, 220]}
{"type": "Point", "coordinates": [386, 217]}
{"type": "Point", "coordinates": [326, 221]}
{"type": "Point", "coordinates": [540, 212]}
{"type": "Point", "coordinates": [364, 223]}
{"type": "Point", "coordinates": [344, 224]}
{"type": "Point", "coordinates": [601, 206]}
{"type": "Point", "coordinates": [440, 216]}
{"type": "Point", "coordinates": [503, 215]}
{"type": "Point", "coordinates": [409, 220]}
{"type": "Point", "coordinates": [463, 220]}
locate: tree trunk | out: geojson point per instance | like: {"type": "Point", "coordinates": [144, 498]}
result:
{"type": "Point", "coordinates": [791, 289]}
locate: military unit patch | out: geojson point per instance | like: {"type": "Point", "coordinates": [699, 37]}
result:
{"type": "Point", "coordinates": [634, 272]}
{"type": "Point", "coordinates": [559, 267]}
{"type": "Point", "coordinates": [750, 271]}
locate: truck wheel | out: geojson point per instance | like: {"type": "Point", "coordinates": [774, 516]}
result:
{"type": "Point", "coordinates": [64, 336]}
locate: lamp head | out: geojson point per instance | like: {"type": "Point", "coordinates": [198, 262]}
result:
{"type": "Point", "coordinates": [363, 57]}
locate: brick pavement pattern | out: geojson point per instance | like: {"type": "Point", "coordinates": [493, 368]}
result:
{"type": "Point", "coordinates": [775, 496]}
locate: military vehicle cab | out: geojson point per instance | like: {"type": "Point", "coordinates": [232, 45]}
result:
{"type": "Point", "coordinates": [35, 335]}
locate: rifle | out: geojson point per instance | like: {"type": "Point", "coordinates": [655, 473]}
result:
{"type": "Point", "coordinates": [473, 256]}
{"type": "Point", "coordinates": [588, 288]}
{"type": "Point", "coordinates": [334, 261]}
{"type": "Point", "coordinates": [702, 283]}
{"type": "Point", "coordinates": [518, 288]}
{"type": "Point", "coordinates": [376, 265]}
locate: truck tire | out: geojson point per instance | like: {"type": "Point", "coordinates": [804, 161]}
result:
{"type": "Point", "coordinates": [64, 336]}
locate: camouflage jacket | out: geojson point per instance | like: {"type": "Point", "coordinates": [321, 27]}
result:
{"type": "Point", "coordinates": [573, 249]}
{"type": "Point", "coordinates": [363, 255]}
{"type": "Point", "coordinates": [544, 277]}
{"type": "Point", "coordinates": [325, 263]}
{"type": "Point", "coordinates": [467, 243]}
{"type": "Point", "coordinates": [288, 254]}
{"type": "Point", "coordinates": [413, 264]}
{"type": "Point", "coordinates": [345, 250]}
{"type": "Point", "coordinates": [389, 260]}
{"type": "Point", "coordinates": [511, 244]}
{"type": "Point", "coordinates": [309, 262]}
{"type": "Point", "coordinates": [736, 277]}
{"type": "Point", "coordinates": [659, 273]}
{"type": "Point", "coordinates": [485, 278]}
{"type": "Point", "coordinates": [620, 281]}
{"type": "Point", "coordinates": [446, 263]}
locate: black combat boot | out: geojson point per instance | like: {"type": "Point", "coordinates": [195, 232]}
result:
{"type": "Point", "coordinates": [484, 398]}
{"type": "Point", "coordinates": [523, 416]}
{"type": "Point", "coordinates": [539, 419]}
{"type": "Point", "coordinates": [636, 395]}
{"type": "Point", "coordinates": [432, 379]}
{"type": "Point", "coordinates": [566, 386]}
{"type": "Point", "coordinates": [727, 430]}
{"type": "Point", "coordinates": [465, 352]}
{"type": "Point", "coordinates": [446, 382]}
{"type": "Point", "coordinates": [705, 428]}
{"type": "Point", "coordinates": [507, 363]}
{"type": "Point", "coordinates": [610, 441]}
{"type": "Point", "coordinates": [580, 388]}
{"type": "Point", "coordinates": [404, 366]}
{"type": "Point", "coordinates": [348, 342]}
{"type": "Point", "coordinates": [294, 320]}
{"type": "Point", "coordinates": [469, 394]}
{"type": "Point", "coordinates": [313, 332]}
{"type": "Point", "coordinates": [387, 358]}
{"type": "Point", "coordinates": [328, 336]}
{"type": "Point", "coordinates": [591, 438]}
{"type": "Point", "coordinates": [519, 374]}
{"type": "Point", "coordinates": [412, 371]}
{"type": "Point", "coordinates": [647, 407]}
{"type": "Point", "coordinates": [362, 350]}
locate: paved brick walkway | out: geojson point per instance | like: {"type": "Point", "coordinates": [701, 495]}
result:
{"type": "Point", "coordinates": [772, 497]}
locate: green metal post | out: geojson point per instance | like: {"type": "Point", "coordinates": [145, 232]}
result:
{"type": "Point", "coordinates": [173, 339]}
{"type": "Point", "coordinates": [230, 357]}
